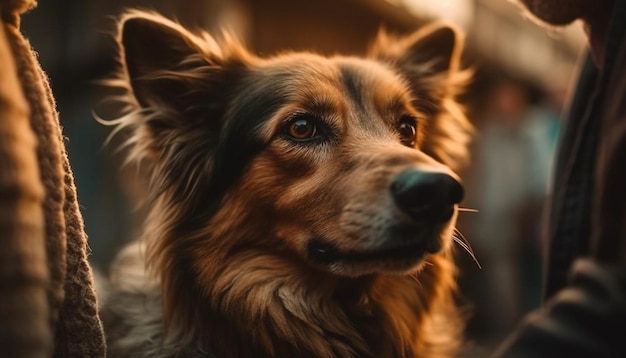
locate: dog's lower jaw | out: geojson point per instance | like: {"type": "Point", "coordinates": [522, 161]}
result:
{"type": "Point", "coordinates": [295, 313]}
{"type": "Point", "coordinates": [396, 259]}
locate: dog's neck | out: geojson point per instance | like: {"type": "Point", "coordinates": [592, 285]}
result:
{"type": "Point", "coordinates": [275, 309]}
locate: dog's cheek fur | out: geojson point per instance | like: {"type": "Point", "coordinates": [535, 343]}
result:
{"type": "Point", "coordinates": [298, 191]}
{"type": "Point", "coordinates": [309, 188]}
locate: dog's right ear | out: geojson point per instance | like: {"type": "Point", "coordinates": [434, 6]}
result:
{"type": "Point", "coordinates": [168, 67]}
{"type": "Point", "coordinates": [177, 89]}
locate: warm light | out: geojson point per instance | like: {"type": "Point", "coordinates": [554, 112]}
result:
{"type": "Point", "coordinates": [458, 11]}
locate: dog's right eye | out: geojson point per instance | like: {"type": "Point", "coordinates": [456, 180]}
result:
{"type": "Point", "coordinates": [302, 128]}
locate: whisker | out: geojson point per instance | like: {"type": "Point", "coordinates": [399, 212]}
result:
{"type": "Point", "coordinates": [458, 232]}
{"type": "Point", "coordinates": [460, 239]}
{"type": "Point", "coordinates": [468, 210]}
{"type": "Point", "coordinates": [414, 277]}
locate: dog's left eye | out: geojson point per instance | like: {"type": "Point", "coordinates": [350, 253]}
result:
{"type": "Point", "coordinates": [407, 128]}
{"type": "Point", "coordinates": [302, 128]}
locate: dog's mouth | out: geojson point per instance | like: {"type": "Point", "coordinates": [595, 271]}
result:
{"type": "Point", "coordinates": [322, 251]}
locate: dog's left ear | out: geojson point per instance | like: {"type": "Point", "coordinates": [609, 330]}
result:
{"type": "Point", "coordinates": [428, 57]}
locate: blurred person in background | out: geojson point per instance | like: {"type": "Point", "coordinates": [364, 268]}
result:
{"type": "Point", "coordinates": [512, 161]}
{"type": "Point", "coordinates": [584, 314]}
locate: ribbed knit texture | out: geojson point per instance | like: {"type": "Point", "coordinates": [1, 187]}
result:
{"type": "Point", "coordinates": [47, 301]}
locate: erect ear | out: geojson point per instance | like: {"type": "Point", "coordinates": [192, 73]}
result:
{"type": "Point", "coordinates": [428, 57]}
{"type": "Point", "coordinates": [167, 66]}
{"type": "Point", "coordinates": [436, 47]}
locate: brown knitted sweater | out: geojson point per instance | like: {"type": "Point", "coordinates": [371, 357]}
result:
{"type": "Point", "coordinates": [47, 301]}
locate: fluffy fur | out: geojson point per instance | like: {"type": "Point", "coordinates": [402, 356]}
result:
{"type": "Point", "coordinates": [260, 243]}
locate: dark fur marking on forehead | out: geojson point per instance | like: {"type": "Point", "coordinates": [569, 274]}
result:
{"type": "Point", "coordinates": [361, 82]}
{"type": "Point", "coordinates": [352, 84]}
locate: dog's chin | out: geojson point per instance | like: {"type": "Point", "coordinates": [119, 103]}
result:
{"type": "Point", "coordinates": [390, 258]}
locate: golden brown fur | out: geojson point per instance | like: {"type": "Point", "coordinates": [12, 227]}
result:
{"type": "Point", "coordinates": [237, 206]}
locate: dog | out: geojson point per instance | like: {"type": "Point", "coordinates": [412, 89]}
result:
{"type": "Point", "coordinates": [298, 205]}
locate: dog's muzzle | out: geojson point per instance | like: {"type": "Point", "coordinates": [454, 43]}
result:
{"type": "Point", "coordinates": [426, 197]}
{"type": "Point", "coordinates": [426, 201]}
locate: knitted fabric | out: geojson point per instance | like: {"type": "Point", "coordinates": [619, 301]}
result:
{"type": "Point", "coordinates": [43, 268]}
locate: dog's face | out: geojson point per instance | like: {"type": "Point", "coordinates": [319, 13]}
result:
{"type": "Point", "coordinates": [341, 170]}
{"type": "Point", "coordinates": [344, 164]}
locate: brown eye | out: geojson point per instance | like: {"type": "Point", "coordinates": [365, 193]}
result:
{"type": "Point", "coordinates": [408, 131]}
{"type": "Point", "coordinates": [302, 128]}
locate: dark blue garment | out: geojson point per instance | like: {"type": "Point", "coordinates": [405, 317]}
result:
{"type": "Point", "coordinates": [585, 292]}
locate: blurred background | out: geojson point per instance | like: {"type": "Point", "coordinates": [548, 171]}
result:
{"type": "Point", "coordinates": [523, 73]}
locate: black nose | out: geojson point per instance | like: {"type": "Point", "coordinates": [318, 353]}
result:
{"type": "Point", "coordinates": [426, 196]}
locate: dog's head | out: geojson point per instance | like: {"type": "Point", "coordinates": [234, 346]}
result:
{"type": "Point", "coordinates": [343, 164]}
